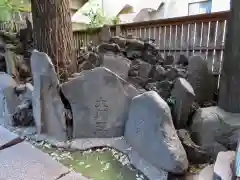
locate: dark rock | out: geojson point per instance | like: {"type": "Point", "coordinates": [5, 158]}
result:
{"type": "Point", "coordinates": [24, 115]}
{"type": "Point", "coordinates": [172, 74]}
{"type": "Point", "coordinates": [195, 153]}
{"type": "Point", "coordinates": [164, 88]}
{"type": "Point", "coordinates": [121, 42]}
{"type": "Point", "coordinates": [169, 60]}
{"type": "Point", "coordinates": [183, 60]}
{"type": "Point", "coordinates": [158, 73]}
{"type": "Point", "coordinates": [106, 47]}
{"type": "Point", "coordinates": [215, 130]}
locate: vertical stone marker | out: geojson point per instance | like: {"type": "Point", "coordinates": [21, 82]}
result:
{"type": "Point", "coordinates": [8, 99]}
{"type": "Point", "coordinates": [100, 102]}
{"type": "Point", "coordinates": [184, 96]}
{"type": "Point", "coordinates": [48, 109]}
{"type": "Point", "coordinates": [200, 78]}
{"type": "Point", "coordinates": [150, 132]}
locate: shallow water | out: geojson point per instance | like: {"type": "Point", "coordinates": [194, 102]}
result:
{"type": "Point", "coordinates": [104, 164]}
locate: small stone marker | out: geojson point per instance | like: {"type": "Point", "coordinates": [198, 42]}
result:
{"type": "Point", "coordinates": [48, 109]}
{"type": "Point", "coordinates": [200, 78]}
{"type": "Point", "coordinates": [184, 96]}
{"type": "Point", "coordinates": [150, 132]}
{"type": "Point", "coordinates": [100, 102]}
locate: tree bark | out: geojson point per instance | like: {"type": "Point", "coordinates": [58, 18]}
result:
{"type": "Point", "coordinates": [229, 95]}
{"type": "Point", "coordinates": [52, 32]}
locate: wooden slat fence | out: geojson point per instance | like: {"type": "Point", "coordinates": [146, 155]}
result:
{"type": "Point", "coordinates": [12, 26]}
{"type": "Point", "coordinates": [199, 34]}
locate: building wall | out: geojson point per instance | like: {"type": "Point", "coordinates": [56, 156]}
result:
{"type": "Point", "coordinates": [220, 5]}
{"type": "Point", "coordinates": [177, 8]}
{"type": "Point", "coordinates": [76, 4]}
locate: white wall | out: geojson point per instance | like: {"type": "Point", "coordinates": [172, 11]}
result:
{"type": "Point", "coordinates": [220, 5]}
{"type": "Point", "coordinates": [176, 8]}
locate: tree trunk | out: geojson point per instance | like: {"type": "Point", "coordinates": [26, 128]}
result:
{"type": "Point", "coordinates": [52, 32]}
{"type": "Point", "coordinates": [229, 95]}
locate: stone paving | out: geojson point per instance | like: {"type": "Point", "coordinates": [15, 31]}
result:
{"type": "Point", "coordinates": [22, 161]}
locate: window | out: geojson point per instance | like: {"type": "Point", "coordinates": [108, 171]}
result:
{"type": "Point", "coordinates": [200, 7]}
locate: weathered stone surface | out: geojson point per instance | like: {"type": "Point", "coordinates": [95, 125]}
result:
{"type": "Point", "coordinates": [150, 131]}
{"type": "Point", "coordinates": [184, 96]}
{"type": "Point", "coordinates": [25, 162]}
{"type": "Point", "coordinates": [134, 48]}
{"type": "Point", "coordinates": [6, 136]}
{"type": "Point", "coordinates": [105, 47]}
{"type": "Point", "coordinates": [206, 173]}
{"type": "Point", "coordinates": [117, 64]}
{"type": "Point", "coordinates": [215, 130]}
{"type": "Point", "coordinates": [119, 41]}
{"type": "Point", "coordinates": [10, 58]}
{"type": "Point", "coordinates": [105, 33]}
{"type": "Point", "coordinates": [144, 69]}
{"type": "Point", "coordinates": [158, 73]}
{"type": "Point", "coordinates": [100, 102]}
{"type": "Point", "coordinates": [224, 166]}
{"type": "Point", "coordinates": [73, 176]}
{"type": "Point", "coordinates": [48, 109]}
{"type": "Point", "coordinates": [200, 78]}
{"type": "Point", "coordinates": [8, 99]}
{"type": "Point", "coordinates": [169, 60]}
{"type": "Point", "coordinates": [183, 60]}
{"type": "Point", "coordinates": [196, 154]}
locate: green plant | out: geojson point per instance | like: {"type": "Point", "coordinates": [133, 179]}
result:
{"type": "Point", "coordinates": [98, 19]}
{"type": "Point", "coordinates": [9, 7]}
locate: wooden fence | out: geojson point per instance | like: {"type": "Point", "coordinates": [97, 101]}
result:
{"type": "Point", "coordinates": [199, 34]}
{"type": "Point", "coordinates": [12, 26]}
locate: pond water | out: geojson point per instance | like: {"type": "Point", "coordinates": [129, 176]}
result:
{"type": "Point", "coordinates": [101, 164]}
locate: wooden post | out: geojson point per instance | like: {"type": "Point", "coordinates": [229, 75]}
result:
{"type": "Point", "coordinates": [229, 95]}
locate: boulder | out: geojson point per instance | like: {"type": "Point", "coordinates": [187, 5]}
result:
{"type": "Point", "coordinates": [224, 166]}
{"type": "Point", "coordinates": [184, 96]}
{"type": "Point", "coordinates": [196, 154]}
{"type": "Point", "coordinates": [215, 130]}
{"type": "Point", "coordinates": [201, 79]}
{"type": "Point", "coordinates": [100, 103]}
{"type": "Point", "coordinates": [48, 109]}
{"type": "Point", "coordinates": [150, 132]}
{"type": "Point", "coordinates": [117, 64]}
